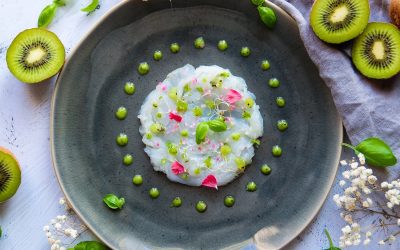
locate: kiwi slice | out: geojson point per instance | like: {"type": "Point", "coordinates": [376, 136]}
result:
{"type": "Point", "coordinates": [337, 21]}
{"type": "Point", "coordinates": [376, 52]}
{"type": "Point", "coordinates": [35, 55]}
{"type": "Point", "coordinates": [10, 175]}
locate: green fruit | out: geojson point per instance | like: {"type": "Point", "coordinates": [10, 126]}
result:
{"type": "Point", "coordinates": [337, 21]}
{"type": "Point", "coordinates": [10, 175]}
{"type": "Point", "coordinates": [35, 55]}
{"type": "Point", "coordinates": [376, 52]}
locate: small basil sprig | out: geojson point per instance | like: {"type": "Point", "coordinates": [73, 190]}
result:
{"type": "Point", "coordinates": [267, 16]}
{"type": "Point", "coordinates": [89, 245]}
{"type": "Point", "coordinates": [201, 132]}
{"type": "Point", "coordinates": [376, 152]}
{"type": "Point", "coordinates": [91, 7]}
{"type": "Point", "coordinates": [48, 13]}
{"type": "Point", "coordinates": [217, 125]}
{"type": "Point", "coordinates": [331, 246]}
{"type": "Point", "coordinates": [1, 232]}
{"type": "Point", "coordinates": [113, 202]}
{"type": "Point", "coordinates": [257, 2]}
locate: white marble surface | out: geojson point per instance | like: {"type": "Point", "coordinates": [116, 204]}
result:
{"type": "Point", "coordinates": [24, 129]}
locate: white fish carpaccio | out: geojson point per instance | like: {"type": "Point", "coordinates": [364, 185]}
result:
{"type": "Point", "coordinates": [214, 93]}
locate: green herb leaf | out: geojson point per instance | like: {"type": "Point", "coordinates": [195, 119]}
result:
{"type": "Point", "coordinates": [217, 125]}
{"type": "Point", "coordinates": [376, 152]}
{"type": "Point", "coordinates": [257, 2]}
{"type": "Point", "coordinates": [201, 132]}
{"type": "Point", "coordinates": [89, 245]}
{"type": "Point", "coordinates": [47, 15]}
{"type": "Point", "coordinates": [331, 246]}
{"type": "Point", "coordinates": [267, 16]}
{"type": "Point", "coordinates": [1, 232]}
{"type": "Point", "coordinates": [59, 3]}
{"type": "Point", "coordinates": [113, 202]}
{"type": "Point", "coordinates": [91, 7]}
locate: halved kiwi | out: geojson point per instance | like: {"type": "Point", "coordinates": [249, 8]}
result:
{"type": "Point", "coordinates": [337, 21]}
{"type": "Point", "coordinates": [35, 55]}
{"type": "Point", "coordinates": [10, 175]}
{"type": "Point", "coordinates": [376, 52]}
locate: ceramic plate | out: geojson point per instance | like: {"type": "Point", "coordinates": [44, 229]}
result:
{"type": "Point", "coordinates": [88, 161]}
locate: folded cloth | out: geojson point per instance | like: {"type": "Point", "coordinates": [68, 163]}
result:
{"type": "Point", "coordinates": [368, 107]}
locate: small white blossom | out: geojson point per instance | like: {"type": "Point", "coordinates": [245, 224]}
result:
{"type": "Point", "coordinates": [398, 222]}
{"type": "Point", "coordinates": [392, 238]}
{"type": "Point", "coordinates": [366, 241]}
{"type": "Point", "coordinates": [354, 165]}
{"type": "Point", "coordinates": [57, 226]}
{"type": "Point", "coordinates": [46, 228]}
{"type": "Point", "coordinates": [343, 163]}
{"type": "Point", "coordinates": [381, 243]}
{"type": "Point", "coordinates": [372, 179]}
{"type": "Point", "coordinates": [365, 204]}
{"type": "Point", "coordinates": [346, 174]}
{"type": "Point", "coordinates": [368, 234]}
{"type": "Point", "coordinates": [389, 205]}
{"type": "Point", "coordinates": [63, 248]}
{"type": "Point", "coordinates": [348, 218]}
{"type": "Point", "coordinates": [48, 234]}
{"type": "Point", "coordinates": [55, 247]}
{"type": "Point", "coordinates": [342, 183]}
{"type": "Point", "coordinates": [384, 184]}
{"type": "Point", "coordinates": [361, 158]}
{"type": "Point", "coordinates": [62, 201]}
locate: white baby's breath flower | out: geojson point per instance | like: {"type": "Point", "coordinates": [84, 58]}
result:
{"type": "Point", "coordinates": [346, 229]}
{"type": "Point", "coordinates": [372, 179]}
{"type": "Point", "coordinates": [389, 205]}
{"type": "Point", "coordinates": [354, 165]}
{"type": "Point", "coordinates": [343, 163]}
{"type": "Point", "coordinates": [57, 226]}
{"type": "Point", "coordinates": [46, 228]}
{"type": "Point", "coordinates": [392, 238]}
{"type": "Point", "coordinates": [365, 204]}
{"type": "Point", "coordinates": [381, 243]}
{"type": "Point", "coordinates": [346, 174]}
{"type": "Point", "coordinates": [384, 184]}
{"type": "Point", "coordinates": [62, 201]}
{"type": "Point", "coordinates": [368, 234]}
{"type": "Point", "coordinates": [48, 234]}
{"type": "Point", "coordinates": [342, 183]}
{"type": "Point", "coordinates": [398, 222]}
{"type": "Point", "coordinates": [348, 218]}
{"type": "Point", "coordinates": [55, 247]}
{"type": "Point", "coordinates": [361, 158]}
{"type": "Point", "coordinates": [367, 241]}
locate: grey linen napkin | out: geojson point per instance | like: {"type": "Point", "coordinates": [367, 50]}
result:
{"type": "Point", "coordinates": [367, 107]}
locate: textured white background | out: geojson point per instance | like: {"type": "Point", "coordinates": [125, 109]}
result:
{"type": "Point", "coordinates": [24, 129]}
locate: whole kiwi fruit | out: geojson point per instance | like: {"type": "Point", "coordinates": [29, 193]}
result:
{"type": "Point", "coordinates": [10, 175]}
{"type": "Point", "coordinates": [337, 21]}
{"type": "Point", "coordinates": [394, 12]}
{"type": "Point", "coordinates": [376, 52]}
{"type": "Point", "coordinates": [35, 55]}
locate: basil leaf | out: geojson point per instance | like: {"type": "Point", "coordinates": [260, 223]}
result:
{"type": "Point", "coordinates": [91, 7]}
{"type": "Point", "coordinates": [59, 3]}
{"type": "Point", "coordinates": [89, 245]}
{"type": "Point", "coordinates": [217, 125]}
{"type": "Point", "coordinates": [257, 2]}
{"type": "Point", "coordinates": [201, 132]}
{"type": "Point", "coordinates": [267, 16]}
{"type": "Point", "coordinates": [47, 15]}
{"type": "Point", "coordinates": [377, 153]}
{"type": "Point", "coordinates": [331, 246]}
{"type": "Point", "coordinates": [1, 232]}
{"type": "Point", "coordinates": [113, 202]}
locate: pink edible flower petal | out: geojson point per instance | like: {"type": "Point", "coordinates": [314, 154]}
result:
{"type": "Point", "coordinates": [210, 181]}
{"type": "Point", "coordinates": [175, 117]}
{"type": "Point", "coordinates": [162, 86]}
{"type": "Point", "coordinates": [177, 168]}
{"type": "Point", "coordinates": [233, 96]}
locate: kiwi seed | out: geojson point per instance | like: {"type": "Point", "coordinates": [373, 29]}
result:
{"type": "Point", "coordinates": [337, 21]}
{"type": "Point", "coordinates": [376, 52]}
{"type": "Point", "coordinates": [35, 55]}
{"type": "Point", "coordinates": [10, 175]}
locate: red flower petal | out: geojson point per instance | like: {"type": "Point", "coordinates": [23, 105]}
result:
{"type": "Point", "coordinates": [175, 117]}
{"type": "Point", "coordinates": [233, 96]}
{"type": "Point", "coordinates": [177, 168]}
{"type": "Point", "coordinates": [210, 181]}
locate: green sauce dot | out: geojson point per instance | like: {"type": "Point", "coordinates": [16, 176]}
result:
{"type": "Point", "coordinates": [128, 159]}
{"type": "Point", "coordinates": [276, 151]}
{"type": "Point", "coordinates": [201, 206]}
{"type": "Point", "coordinates": [137, 180]}
{"type": "Point", "coordinates": [143, 68]}
{"type": "Point", "coordinates": [251, 186]}
{"type": "Point", "coordinates": [229, 201]}
{"type": "Point", "coordinates": [245, 51]}
{"type": "Point", "coordinates": [184, 133]}
{"type": "Point", "coordinates": [222, 45]}
{"type": "Point", "coordinates": [122, 139]}
{"type": "Point", "coordinates": [157, 55]}
{"type": "Point", "coordinates": [129, 88]}
{"type": "Point", "coordinates": [176, 202]}
{"type": "Point", "coordinates": [282, 125]}
{"type": "Point", "coordinates": [121, 113]}
{"type": "Point", "coordinates": [154, 193]}
{"type": "Point", "coordinates": [265, 169]}
{"type": "Point", "coordinates": [175, 48]}
{"type": "Point", "coordinates": [280, 102]}
{"type": "Point", "coordinates": [265, 65]}
{"type": "Point", "coordinates": [273, 83]}
{"type": "Point", "coordinates": [199, 43]}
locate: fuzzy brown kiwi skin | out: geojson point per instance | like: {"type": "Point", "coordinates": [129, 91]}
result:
{"type": "Point", "coordinates": [394, 12]}
{"type": "Point", "coordinates": [8, 152]}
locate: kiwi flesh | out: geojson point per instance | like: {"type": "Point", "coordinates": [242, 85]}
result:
{"type": "Point", "coordinates": [376, 52]}
{"type": "Point", "coordinates": [337, 21]}
{"type": "Point", "coordinates": [35, 55]}
{"type": "Point", "coordinates": [10, 175]}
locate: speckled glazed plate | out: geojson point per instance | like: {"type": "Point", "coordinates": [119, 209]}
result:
{"type": "Point", "coordinates": [88, 162]}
